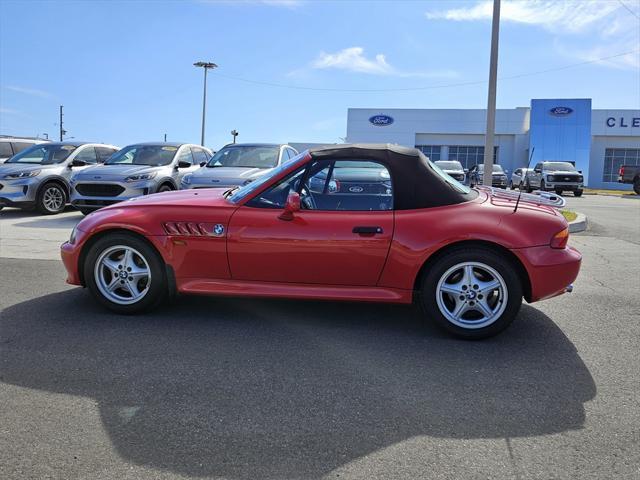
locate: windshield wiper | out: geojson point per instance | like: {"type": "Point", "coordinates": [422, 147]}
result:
{"type": "Point", "coordinates": [230, 191]}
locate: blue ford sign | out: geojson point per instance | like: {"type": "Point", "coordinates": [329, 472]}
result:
{"type": "Point", "coordinates": [561, 111]}
{"type": "Point", "coordinates": [381, 120]}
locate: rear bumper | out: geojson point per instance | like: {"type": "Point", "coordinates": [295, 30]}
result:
{"type": "Point", "coordinates": [550, 270]}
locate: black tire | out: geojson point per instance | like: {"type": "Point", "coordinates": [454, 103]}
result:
{"type": "Point", "coordinates": [47, 200]}
{"type": "Point", "coordinates": [578, 193]}
{"type": "Point", "coordinates": [481, 255]}
{"type": "Point", "coordinates": [510, 185]}
{"type": "Point", "coordinates": [636, 186]}
{"type": "Point", "coordinates": [165, 188]}
{"type": "Point", "coordinates": [558, 191]}
{"type": "Point", "coordinates": [543, 186]}
{"type": "Point", "coordinates": [158, 286]}
{"type": "Point", "coordinates": [528, 187]}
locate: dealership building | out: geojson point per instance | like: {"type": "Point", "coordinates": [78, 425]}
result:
{"type": "Point", "coordinates": [597, 141]}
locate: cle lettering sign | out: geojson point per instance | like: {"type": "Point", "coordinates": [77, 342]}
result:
{"type": "Point", "coordinates": [623, 122]}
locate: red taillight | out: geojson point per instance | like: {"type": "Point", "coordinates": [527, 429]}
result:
{"type": "Point", "coordinates": [560, 239]}
{"type": "Point", "coordinates": [621, 171]}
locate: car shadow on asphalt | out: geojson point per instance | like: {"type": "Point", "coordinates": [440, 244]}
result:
{"type": "Point", "coordinates": [243, 388]}
{"type": "Point", "coordinates": [33, 219]}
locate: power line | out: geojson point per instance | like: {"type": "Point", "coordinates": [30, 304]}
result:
{"type": "Point", "coordinates": [410, 89]}
{"type": "Point", "coordinates": [628, 9]}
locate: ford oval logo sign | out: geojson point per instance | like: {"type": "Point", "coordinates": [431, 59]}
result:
{"type": "Point", "coordinates": [561, 111]}
{"type": "Point", "coordinates": [381, 120]}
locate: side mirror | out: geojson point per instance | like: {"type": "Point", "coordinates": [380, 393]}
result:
{"type": "Point", "coordinates": [292, 206]}
{"type": "Point", "coordinates": [466, 170]}
{"type": "Point", "coordinates": [202, 164]}
{"type": "Point", "coordinates": [183, 164]}
{"type": "Point", "coordinates": [76, 162]}
{"type": "Point", "coordinates": [579, 171]}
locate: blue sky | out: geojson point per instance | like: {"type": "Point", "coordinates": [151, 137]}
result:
{"type": "Point", "coordinates": [124, 70]}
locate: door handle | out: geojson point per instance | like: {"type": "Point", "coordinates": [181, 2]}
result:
{"type": "Point", "coordinates": [367, 230]}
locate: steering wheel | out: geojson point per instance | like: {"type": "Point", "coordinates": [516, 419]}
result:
{"type": "Point", "coordinates": [306, 198]}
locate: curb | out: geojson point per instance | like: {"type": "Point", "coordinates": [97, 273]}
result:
{"type": "Point", "coordinates": [579, 224]}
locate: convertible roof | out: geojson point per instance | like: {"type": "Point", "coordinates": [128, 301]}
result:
{"type": "Point", "coordinates": [416, 184]}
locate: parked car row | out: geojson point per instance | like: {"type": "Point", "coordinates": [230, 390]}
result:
{"type": "Point", "coordinates": [89, 176]}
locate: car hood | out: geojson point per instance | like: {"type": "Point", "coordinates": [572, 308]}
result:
{"type": "Point", "coordinates": [562, 172]}
{"type": "Point", "coordinates": [224, 173]}
{"type": "Point", "coordinates": [210, 197]}
{"type": "Point", "coordinates": [114, 171]}
{"type": "Point", "coordinates": [7, 168]}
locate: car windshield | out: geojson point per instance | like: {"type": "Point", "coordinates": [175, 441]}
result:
{"type": "Point", "coordinates": [153, 155]}
{"type": "Point", "coordinates": [449, 165]}
{"type": "Point", "coordinates": [240, 193]}
{"type": "Point", "coordinates": [566, 166]}
{"type": "Point", "coordinates": [496, 168]}
{"type": "Point", "coordinates": [456, 185]}
{"type": "Point", "coordinates": [246, 156]}
{"type": "Point", "coordinates": [43, 154]}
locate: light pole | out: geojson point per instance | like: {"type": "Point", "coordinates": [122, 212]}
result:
{"type": "Point", "coordinates": [491, 100]}
{"type": "Point", "coordinates": [206, 66]}
{"type": "Point", "coordinates": [234, 133]}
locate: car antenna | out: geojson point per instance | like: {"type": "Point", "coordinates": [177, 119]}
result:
{"type": "Point", "coordinates": [520, 194]}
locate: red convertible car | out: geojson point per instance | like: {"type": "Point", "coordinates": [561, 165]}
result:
{"type": "Point", "coordinates": [376, 223]}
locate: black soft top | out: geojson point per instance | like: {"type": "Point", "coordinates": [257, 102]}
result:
{"type": "Point", "coordinates": [416, 184]}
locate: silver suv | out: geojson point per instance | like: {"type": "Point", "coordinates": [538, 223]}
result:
{"type": "Point", "coordinates": [39, 176]}
{"type": "Point", "coordinates": [555, 176]}
{"type": "Point", "coordinates": [238, 164]}
{"type": "Point", "coordinates": [9, 146]}
{"type": "Point", "coordinates": [136, 170]}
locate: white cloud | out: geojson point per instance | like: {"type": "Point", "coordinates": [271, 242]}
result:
{"type": "Point", "coordinates": [569, 15]}
{"type": "Point", "coordinates": [353, 59]}
{"type": "Point", "coordinates": [602, 27]}
{"type": "Point", "coordinates": [29, 91]}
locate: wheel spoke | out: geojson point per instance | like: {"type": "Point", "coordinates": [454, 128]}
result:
{"type": "Point", "coordinates": [138, 274]}
{"type": "Point", "coordinates": [483, 307]}
{"type": "Point", "coordinates": [488, 287]}
{"type": "Point", "coordinates": [115, 282]}
{"type": "Point", "coordinates": [111, 265]}
{"type": "Point", "coordinates": [460, 308]}
{"type": "Point", "coordinates": [468, 276]}
{"type": "Point", "coordinates": [453, 289]}
{"type": "Point", "coordinates": [127, 260]}
{"type": "Point", "coordinates": [133, 288]}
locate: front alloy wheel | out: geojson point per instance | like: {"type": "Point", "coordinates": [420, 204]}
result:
{"type": "Point", "coordinates": [125, 273]}
{"type": "Point", "coordinates": [473, 292]}
{"type": "Point", "coordinates": [51, 199]}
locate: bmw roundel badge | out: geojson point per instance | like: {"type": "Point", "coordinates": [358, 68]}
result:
{"type": "Point", "coordinates": [218, 229]}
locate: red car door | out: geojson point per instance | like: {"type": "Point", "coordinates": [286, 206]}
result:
{"type": "Point", "coordinates": [317, 247]}
{"type": "Point", "coordinates": [341, 236]}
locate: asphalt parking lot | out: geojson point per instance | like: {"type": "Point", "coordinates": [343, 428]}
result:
{"type": "Point", "coordinates": [248, 389]}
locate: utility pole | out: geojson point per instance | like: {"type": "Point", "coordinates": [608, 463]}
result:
{"type": "Point", "coordinates": [62, 131]}
{"type": "Point", "coordinates": [165, 137]}
{"type": "Point", "coordinates": [206, 66]}
{"type": "Point", "coordinates": [491, 100]}
{"type": "Point", "coordinates": [46, 136]}
{"type": "Point", "coordinates": [234, 133]}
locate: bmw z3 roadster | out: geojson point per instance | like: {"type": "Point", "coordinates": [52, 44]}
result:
{"type": "Point", "coordinates": [374, 223]}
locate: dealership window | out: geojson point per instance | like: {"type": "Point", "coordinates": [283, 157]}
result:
{"type": "Point", "coordinates": [470, 155]}
{"type": "Point", "coordinates": [431, 151]}
{"type": "Point", "coordinates": [614, 158]}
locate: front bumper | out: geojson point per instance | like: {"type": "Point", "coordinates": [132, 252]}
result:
{"type": "Point", "coordinates": [128, 191]}
{"type": "Point", "coordinates": [550, 270]}
{"type": "Point", "coordinates": [70, 254]}
{"type": "Point", "coordinates": [21, 191]}
{"type": "Point", "coordinates": [564, 185]}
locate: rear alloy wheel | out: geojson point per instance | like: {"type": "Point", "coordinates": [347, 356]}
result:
{"type": "Point", "coordinates": [473, 293]}
{"type": "Point", "coordinates": [125, 274]}
{"type": "Point", "coordinates": [51, 199]}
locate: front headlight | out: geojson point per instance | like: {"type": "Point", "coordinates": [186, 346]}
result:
{"type": "Point", "coordinates": [72, 237]}
{"type": "Point", "coordinates": [550, 178]}
{"type": "Point", "coordinates": [29, 174]}
{"type": "Point", "coordinates": [140, 176]}
{"type": "Point", "coordinates": [187, 179]}
{"type": "Point", "coordinates": [581, 179]}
